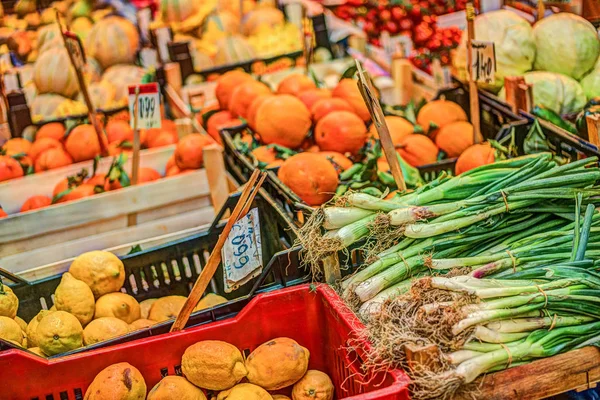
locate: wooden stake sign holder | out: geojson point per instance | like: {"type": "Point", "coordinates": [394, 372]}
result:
{"type": "Point", "coordinates": [519, 94]}
{"type": "Point", "coordinates": [473, 94]}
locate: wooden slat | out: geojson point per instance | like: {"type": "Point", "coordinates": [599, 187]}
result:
{"type": "Point", "coordinates": [52, 260]}
{"type": "Point", "coordinates": [14, 192]}
{"type": "Point", "coordinates": [575, 370]}
{"type": "Point", "coordinates": [104, 206]}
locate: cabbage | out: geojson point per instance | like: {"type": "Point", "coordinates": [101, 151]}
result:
{"type": "Point", "coordinates": [556, 92]}
{"type": "Point", "coordinates": [513, 40]}
{"type": "Point", "coordinates": [591, 84]}
{"type": "Point", "coordinates": [567, 44]}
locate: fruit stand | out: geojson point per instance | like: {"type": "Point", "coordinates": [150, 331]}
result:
{"type": "Point", "coordinates": [299, 200]}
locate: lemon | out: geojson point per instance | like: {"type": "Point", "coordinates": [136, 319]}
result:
{"type": "Point", "coordinates": [118, 305]}
{"type": "Point", "coordinates": [21, 323]}
{"type": "Point", "coordinates": [175, 387]}
{"type": "Point", "coordinates": [245, 391]}
{"type": "Point", "coordinates": [102, 271]}
{"type": "Point", "coordinates": [9, 303]}
{"type": "Point", "coordinates": [166, 308]}
{"type": "Point", "coordinates": [120, 381]}
{"type": "Point", "coordinates": [10, 330]}
{"type": "Point", "coordinates": [75, 297]}
{"type": "Point", "coordinates": [104, 328]}
{"type": "Point", "coordinates": [210, 300]}
{"type": "Point", "coordinates": [38, 351]}
{"type": "Point", "coordinates": [59, 332]}
{"type": "Point", "coordinates": [213, 365]}
{"type": "Point", "coordinates": [31, 331]}
{"type": "Point", "coordinates": [145, 307]}
{"type": "Point", "coordinates": [141, 324]}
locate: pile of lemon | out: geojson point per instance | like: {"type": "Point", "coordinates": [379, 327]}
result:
{"type": "Point", "coordinates": [89, 307]}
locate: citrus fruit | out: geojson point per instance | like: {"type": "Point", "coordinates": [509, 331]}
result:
{"type": "Point", "coordinates": [120, 381]}
{"type": "Point", "coordinates": [10, 330]}
{"type": "Point", "coordinates": [31, 331]}
{"type": "Point", "coordinates": [118, 305]}
{"type": "Point", "coordinates": [59, 332]}
{"type": "Point", "coordinates": [314, 385]}
{"type": "Point", "coordinates": [101, 270]}
{"type": "Point", "coordinates": [141, 324]}
{"type": "Point", "coordinates": [166, 308]}
{"type": "Point", "coordinates": [104, 328]}
{"type": "Point", "coordinates": [176, 388]}
{"type": "Point", "coordinates": [9, 303]}
{"type": "Point", "coordinates": [245, 391]}
{"type": "Point", "coordinates": [145, 307]}
{"type": "Point", "coordinates": [213, 365]}
{"type": "Point", "coordinates": [75, 297]}
{"type": "Point", "coordinates": [210, 300]}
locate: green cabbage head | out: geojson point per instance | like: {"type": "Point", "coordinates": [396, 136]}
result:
{"type": "Point", "coordinates": [557, 92]}
{"type": "Point", "coordinates": [566, 43]}
{"type": "Point", "coordinates": [513, 41]}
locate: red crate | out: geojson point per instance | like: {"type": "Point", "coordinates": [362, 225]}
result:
{"type": "Point", "coordinates": [317, 319]}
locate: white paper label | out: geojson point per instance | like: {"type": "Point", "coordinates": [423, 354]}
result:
{"type": "Point", "coordinates": [149, 58]}
{"type": "Point", "coordinates": [394, 45]}
{"type": "Point", "coordinates": [483, 56]}
{"type": "Point", "coordinates": [144, 16]}
{"type": "Point", "coordinates": [148, 106]}
{"type": "Point", "coordinates": [11, 82]}
{"type": "Point", "coordinates": [242, 252]}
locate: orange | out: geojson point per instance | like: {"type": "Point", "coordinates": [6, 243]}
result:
{"type": "Point", "coordinates": [398, 127]}
{"type": "Point", "coordinates": [341, 131]}
{"type": "Point", "coordinates": [16, 146]}
{"type": "Point", "coordinates": [475, 156]}
{"type": "Point", "coordinates": [99, 180]}
{"type": "Point", "coordinates": [164, 138]}
{"type": "Point", "coordinates": [54, 130]}
{"type": "Point", "coordinates": [265, 154]}
{"type": "Point", "coordinates": [43, 144]}
{"type": "Point", "coordinates": [188, 154]}
{"type": "Point", "coordinates": [118, 131]}
{"type": "Point", "coordinates": [438, 113]}
{"type": "Point", "coordinates": [226, 84]}
{"type": "Point", "coordinates": [36, 202]}
{"type": "Point", "coordinates": [417, 150]}
{"type": "Point", "coordinates": [338, 159]}
{"type": "Point", "coordinates": [324, 106]}
{"type": "Point", "coordinates": [253, 109]}
{"type": "Point", "coordinates": [175, 170]}
{"type": "Point", "coordinates": [295, 84]}
{"type": "Point", "coordinates": [313, 385]}
{"type": "Point", "coordinates": [347, 89]}
{"type": "Point", "coordinates": [3, 213]}
{"type": "Point", "coordinates": [52, 158]}
{"type": "Point", "coordinates": [311, 96]}
{"type": "Point", "coordinates": [147, 174]}
{"type": "Point", "coordinates": [116, 148]}
{"type": "Point", "coordinates": [120, 116]}
{"type": "Point", "coordinates": [77, 193]}
{"type": "Point", "coordinates": [9, 168]}
{"type": "Point", "coordinates": [310, 176]}
{"type": "Point", "coordinates": [170, 162]}
{"type": "Point", "coordinates": [283, 120]}
{"type": "Point", "coordinates": [243, 95]}
{"type": "Point", "coordinates": [82, 143]}
{"type": "Point", "coordinates": [454, 138]}
{"type": "Point", "coordinates": [60, 187]}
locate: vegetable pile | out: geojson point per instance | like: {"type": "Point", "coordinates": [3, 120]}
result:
{"type": "Point", "coordinates": [494, 267]}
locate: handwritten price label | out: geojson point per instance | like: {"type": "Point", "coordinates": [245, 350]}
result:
{"type": "Point", "coordinates": [242, 252]}
{"type": "Point", "coordinates": [74, 47]}
{"type": "Point", "coordinates": [483, 55]}
{"type": "Point", "coordinates": [148, 106]}
{"type": "Point", "coordinates": [396, 45]}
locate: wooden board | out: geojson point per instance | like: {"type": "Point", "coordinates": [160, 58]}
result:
{"type": "Point", "coordinates": [15, 192]}
{"type": "Point", "coordinates": [47, 261]}
{"type": "Point", "coordinates": [576, 370]}
{"type": "Point", "coordinates": [103, 212]}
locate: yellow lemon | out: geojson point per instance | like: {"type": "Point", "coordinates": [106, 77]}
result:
{"type": "Point", "coordinates": [38, 351]}
{"type": "Point", "coordinates": [120, 381]}
{"type": "Point", "coordinates": [141, 324]}
{"type": "Point", "coordinates": [145, 307]}
{"type": "Point", "coordinates": [10, 330]}
{"type": "Point", "coordinates": [101, 270]}
{"type": "Point", "coordinates": [30, 332]}
{"type": "Point", "coordinates": [104, 328]}
{"type": "Point", "coordinates": [21, 323]}
{"type": "Point", "coordinates": [166, 308]}
{"type": "Point", "coordinates": [210, 300]}
{"type": "Point", "coordinates": [118, 305]}
{"type": "Point", "coordinates": [75, 297]}
{"type": "Point", "coordinates": [245, 391]}
{"type": "Point", "coordinates": [9, 303]}
{"type": "Point", "coordinates": [59, 332]}
{"type": "Point", "coordinates": [175, 387]}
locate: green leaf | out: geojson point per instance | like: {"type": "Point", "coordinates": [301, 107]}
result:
{"type": "Point", "coordinates": [95, 165]}
{"type": "Point", "coordinates": [349, 73]}
{"type": "Point", "coordinates": [124, 179]}
{"type": "Point", "coordinates": [135, 249]}
{"type": "Point", "coordinates": [62, 194]}
{"type": "Point", "coordinates": [19, 156]}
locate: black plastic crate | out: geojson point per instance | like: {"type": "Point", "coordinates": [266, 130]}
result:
{"type": "Point", "coordinates": [175, 267]}
{"type": "Point", "coordinates": [495, 122]}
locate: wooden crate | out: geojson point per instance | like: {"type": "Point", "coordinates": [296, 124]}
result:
{"type": "Point", "coordinates": [89, 218]}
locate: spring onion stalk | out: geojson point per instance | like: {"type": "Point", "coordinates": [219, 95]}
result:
{"type": "Point", "coordinates": [354, 232]}
{"type": "Point", "coordinates": [491, 336]}
{"type": "Point", "coordinates": [368, 202]}
{"type": "Point", "coordinates": [585, 233]}
{"type": "Point", "coordinates": [531, 324]}
{"type": "Point", "coordinates": [459, 356]}
{"type": "Point", "coordinates": [374, 306]}
{"type": "Point", "coordinates": [338, 217]}
{"type": "Point", "coordinates": [369, 288]}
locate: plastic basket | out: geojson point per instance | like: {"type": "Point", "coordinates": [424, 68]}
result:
{"type": "Point", "coordinates": [175, 268]}
{"type": "Point", "coordinates": [495, 120]}
{"type": "Point", "coordinates": [315, 318]}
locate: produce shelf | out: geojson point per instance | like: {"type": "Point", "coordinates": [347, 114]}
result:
{"type": "Point", "coordinates": [315, 317]}
{"type": "Point", "coordinates": [173, 268]}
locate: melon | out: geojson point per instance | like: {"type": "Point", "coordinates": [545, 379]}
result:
{"type": "Point", "coordinates": [253, 21]}
{"type": "Point", "coordinates": [82, 27]}
{"type": "Point", "coordinates": [177, 10]}
{"type": "Point", "coordinates": [121, 76]}
{"type": "Point", "coordinates": [102, 94]}
{"type": "Point", "coordinates": [233, 50]}
{"type": "Point", "coordinates": [51, 106]}
{"type": "Point", "coordinates": [48, 36]}
{"type": "Point", "coordinates": [53, 73]}
{"type": "Point", "coordinates": [224, 21]}
{"type": "Point", "coordinates": [92, 71]}
{"type": "Point", "coordinates": [113, 40]}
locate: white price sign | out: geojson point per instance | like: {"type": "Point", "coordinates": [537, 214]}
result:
{"type": "Point", "coordinates": [396, 45]}
{"type": "Point", "coordinates": [163, 38]}
{"type": "Point", "coordinates": [148, 106]}
{"type": "Point", "coordinates": [483, 56]}
{"type": "Point", "coordinates": [242, 252]}
{"type": "Point", "coordinates": [74, 47]}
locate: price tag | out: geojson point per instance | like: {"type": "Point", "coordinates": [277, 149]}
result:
{"type": "Point", "coordinates": [396, 45]}
{"type": "Point", "coordinates": [148, 106]}
{"type": "Point", "coordinates": [483, 55]}
{"type": "Point", "coordinates": [163, 38]}
{"type": "Point", "coordinates": [242, 252]}
{"type": "Point", "coordinates": [148, 58]}
{"type": "Point", "coordinates": [11, 82]}
{"type": "Point", "coordinates": [74, 47]}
